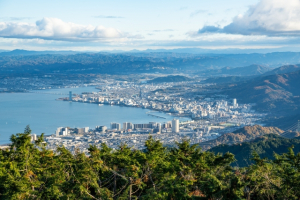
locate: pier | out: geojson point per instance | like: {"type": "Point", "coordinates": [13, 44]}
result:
{"type": "Point", "coordinates": [157, 116]}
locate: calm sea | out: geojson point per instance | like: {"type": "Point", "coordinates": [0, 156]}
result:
{"type": "Point", "coordinates": [44, 113]}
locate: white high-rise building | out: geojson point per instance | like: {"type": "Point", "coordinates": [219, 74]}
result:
{"type": "Point", "coordinates": [127, 125]}
{"type": "Point", "coordinates": [115, 126]}
{"type": "Point", "coordinates": [65, 131]}
{"type": "Point", "coordinates": [58, 130]}
{"type": "Point", "coordinates": [61, 131]}
{"type": "Point", "coordinates": [175, 126]}
{"type": "Point", "coordinates": [234, 103]}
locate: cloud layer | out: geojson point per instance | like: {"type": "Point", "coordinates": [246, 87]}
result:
{"type": "Point", "coordinates": [268, 17]}
{"type": "Point", "coordinates": [56, 29]}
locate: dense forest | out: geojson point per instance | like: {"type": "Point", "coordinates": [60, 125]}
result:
{"type": "Point", "coordinates": [30, 171]}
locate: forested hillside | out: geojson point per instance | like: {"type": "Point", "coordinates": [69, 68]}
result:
{"type": "Point", "coordinates": [251, 70]}
{"type": "Point", "coordinates": [30, 171]}
{"type": "Point", "coordinates": [283, 70]}
{"type": "Point", "coordinates": [244, 134]}
{"type": "Point", "coordinates": [278, 95]}
{"type": "Point", "coordinates": [265, 146]}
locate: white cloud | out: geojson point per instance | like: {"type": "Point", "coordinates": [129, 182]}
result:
{"type": "Point", "coordinates": [209, 41]}
{"type": "Point", "coordinates": [56, 29]}
{"type": "Point", "coordinates": [268, 17]}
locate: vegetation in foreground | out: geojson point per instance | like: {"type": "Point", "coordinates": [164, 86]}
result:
{"type": "Point", "coordinates": [30, 171]}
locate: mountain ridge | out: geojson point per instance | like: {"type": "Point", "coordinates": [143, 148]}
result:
{"type": "Point", "coordinates": [265, 146]}
{"type": "Point", "coordinates": [278, 94]}
{"type": "Point", "coordinates": [244, 134]}
{"type": "Point", "coordinates": [250, 70]}
{"type": "Point", "coordinates": [283, 70]}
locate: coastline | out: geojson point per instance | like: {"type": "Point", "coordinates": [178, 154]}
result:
{"type": "Point", "coordinates": [44, 114]}
{"type": "Point", "coordinates": [131, 106]}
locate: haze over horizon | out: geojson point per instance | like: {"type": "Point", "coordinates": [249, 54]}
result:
{"type": "Point", "coordinates": [118, 25]}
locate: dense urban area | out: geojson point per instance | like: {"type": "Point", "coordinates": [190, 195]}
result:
{"type": "Point", "coordinates": [209, 117]}
{"type": "Point", "coordinates": [216, 99]}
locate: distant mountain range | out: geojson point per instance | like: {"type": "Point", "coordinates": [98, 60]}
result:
{"type": "Point", "coordinates": [227, 79]}
{"type": "Point", "coordinates": [210, 51]}
{"type": "Point", "coordinates": [244, 134]}
{"type": "Point", "coordinates": [251, 70]}
{"type": "Point", "coordinates": [231, 75]}
{"type": "Point", "coordinates": [18, 52]}
{"type": "Point", "coordinates": [194, 51]}
{"type": "Point", "coordinates": [265, 146]}
{"type": "Point", "coordinates": [21, 61]}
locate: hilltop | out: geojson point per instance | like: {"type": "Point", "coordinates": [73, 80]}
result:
{"type": "Point", "coordinates": [283, 70]}
{"type": "Point", "coordinates": [251, 70]}
{"type": "Point", "coordinates": [244, 134]}
{"type": "Point", "coordinates": [265, 146]}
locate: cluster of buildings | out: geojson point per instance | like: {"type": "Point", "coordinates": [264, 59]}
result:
{"type": "Point", "coordinates": [135, 135]}
{"type": "Point", "coordinates": [64, 131]}
{"type": "Point", "coordinates": [216, 108]}
{"type": "Point", "coordinates": [151, 127]}
{"type": "Point", "coordinates": [211, 116]}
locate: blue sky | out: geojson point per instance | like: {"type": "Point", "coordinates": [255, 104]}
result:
{"type": "Point", "coordinates": [124, 25]}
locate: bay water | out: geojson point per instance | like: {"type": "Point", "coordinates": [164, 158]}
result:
{"type": "Point", "coordinates": [44, 113]}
